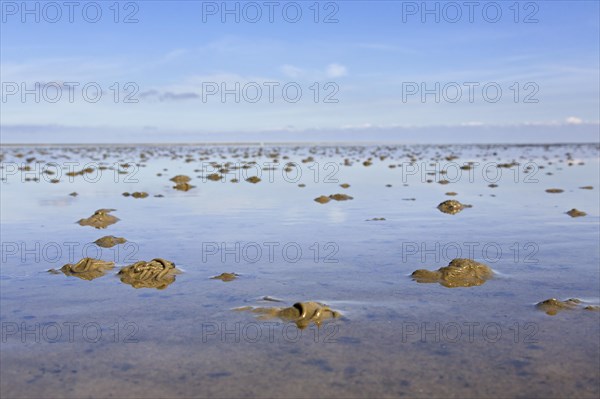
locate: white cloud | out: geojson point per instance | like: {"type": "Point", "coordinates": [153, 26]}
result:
{"type": "Point", "coordinates": [573, 120]}
{"type": "Point", "coordinates": [292, 71]}
{"type": "Point", "coordinates": [331, 71]}
{"type": "Point", "coordinates": [365, 125]}
{"type": "Point", "coordinates": [336, 70]}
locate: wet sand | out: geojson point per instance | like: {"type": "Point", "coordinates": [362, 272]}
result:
{"type": "Point", "coordinates": [394, 337]}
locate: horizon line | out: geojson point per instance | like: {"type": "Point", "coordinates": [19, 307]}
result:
{"type": "Point", "coordinates": [306, 143]}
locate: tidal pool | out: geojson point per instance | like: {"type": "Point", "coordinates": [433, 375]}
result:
{"type": "Point", "coordinates": [250, 210]}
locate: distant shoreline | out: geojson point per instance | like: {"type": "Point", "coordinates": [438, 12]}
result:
{"type": "Point", "coordinates": [307, 144]}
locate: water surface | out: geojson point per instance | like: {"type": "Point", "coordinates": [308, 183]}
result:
{"type": "Point", "coordinates": [67, 337]}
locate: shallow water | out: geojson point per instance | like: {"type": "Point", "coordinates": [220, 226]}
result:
{"type": "Point", "coordinates": [67, 337]}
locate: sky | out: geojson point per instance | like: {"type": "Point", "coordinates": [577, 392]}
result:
{"type": "Point", "coordinates": [397, 71]}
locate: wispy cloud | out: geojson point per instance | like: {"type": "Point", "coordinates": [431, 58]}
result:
{"type": "Point", "coordinates": [336, 70]}
{"type": "Point", "coordinates": [573, 120]}
{"type": "Point", "coordinates": [292, 71]}
{"type": "Point", "coordinates": [167, 96]}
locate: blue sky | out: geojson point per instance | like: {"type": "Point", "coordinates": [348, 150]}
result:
{"type": "Point", "coordinates": [365, 62]}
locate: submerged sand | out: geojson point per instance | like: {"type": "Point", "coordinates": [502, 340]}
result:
{"type": "Point", "coordinates": [183, 340]}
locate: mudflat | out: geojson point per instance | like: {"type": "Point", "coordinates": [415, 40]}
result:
{"type": "Point", "coordinates": [320, 300]}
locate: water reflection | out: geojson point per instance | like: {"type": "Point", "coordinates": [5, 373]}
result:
{"type": "Point", "coordinates": [86, 269]}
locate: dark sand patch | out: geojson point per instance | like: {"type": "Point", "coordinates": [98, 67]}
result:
{"type": "Point", "coordinates": [158, 273]}
{"type": "Point", "coordinates": [301, 313]}
{"type": "Point", "coordinates": [575, 213]}
{"type": "Point", "coordinates": [340, 197]}
{"type": "Point", "coordinates": [322, 199]}
{"type": "Point", "coordinates": [183, 186]}
{"type": "Point", "coordinates": [452, 207]}
{"type": "Point", "coordinates": [109, 241]}
{"type": "Point", "coordinates": [101, 219]}
{"type": "Point", "coordinates": [459, 273]}
{"type": "Point", "coordinates": [226, 277]}
{"type": "Point", "coordinates": [214, 177]}
{"type": "Point", "coordinates": [552, 306]}
{"type": "Point", "coordinates": [181, 179]}
{"type": "Point", "coordinates": [86, 269]}
{"type": "Point", "coordinates": [136, 194]}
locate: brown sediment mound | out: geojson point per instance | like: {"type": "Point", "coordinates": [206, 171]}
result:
{"type": "Point", "coordinates": [587, 187]}
{"type": "Point", "coordinates": [322, 199]}
{"type": "Point", "coordinates": [459, 273]}
{"type": "Point", "coordinates": [575, 213]}
{"type": "Point", "coordinates": [554, 190]}
{"type": "Point", "coordinates": [301, 313]}
{"type": "Point", "coordinates": [214, 177]}
{"type": "Point", "coordinates": [451, 193]}
{"type": "Point", "coordinates": [443, 182]}
{"type": "Point", "coordinates": [183, 186]}
{"type": "Point", "coordinates": [552, 306]}
{"type": "Point", "coordinates": [340, 197]}
{"type": "Point", "coordinates": [109, 241]}
{"type": "Point", "coordinates": [85, 269]}
{"type": "Point", "coordinates": [301, 185]}
{"type": "Point", "coordinates": [226, 277]}
{"type": "Point", "coordinates": [181, 179]}
{"type": "Point", "coordinates": [452, 207]}
{"type": "Point", "coordinates": [253, 179]}
{"type": "Point", "coordinates": [344, 185]}
{"type": "Point", "coordinates": [136, 194]}
{"type": "Point", "coordinates": [81, 172]}
{"type": "Point", "coordinates": [368, 163]}
{"type": "Point", "coordinates": [101, 219]}
{"type": "Point", "coordinates": [158, 273]}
